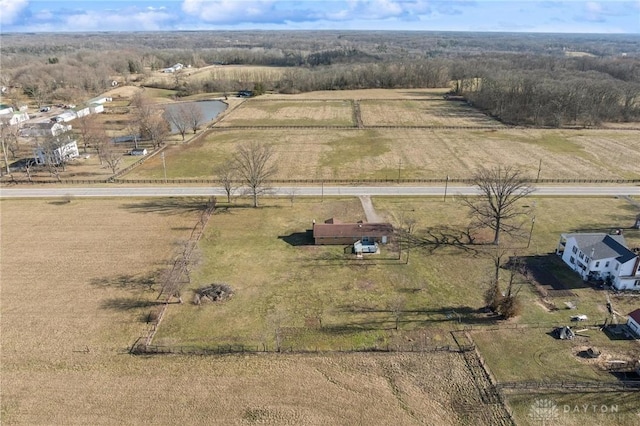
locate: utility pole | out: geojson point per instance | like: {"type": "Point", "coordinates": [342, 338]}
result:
{"type": "Point", "coordinates": [539, 170]}
{"type": "Point", "coordinates": [164, 167]}
{"type": "Point", "coordinates": [399, 169]}
{"type": "Point", "coordinates": [446, 184]}
{"type": "Point", "coordinates": [533, 222]}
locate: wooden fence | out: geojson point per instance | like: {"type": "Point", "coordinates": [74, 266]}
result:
{"type": "Point", "coordinates": [142, 349]}
{"type": "Point", "coordinates": [625, 385]}
{"type": "Point", "coordinates": [214, 182]}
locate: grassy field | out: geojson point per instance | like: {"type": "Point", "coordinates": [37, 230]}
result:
{"type": "Point", "coordinates": [259, 112]}
{"type": "Point", "coordinates": [377, 153]}
{"type": "Point", "coordinates": [340, 302]}
{"type": "Point", "coordinates": [76, 290]}
{"type": "Point", "coordinates": [418, 113]}
{"type": "Point", "coordinates": [77, 281]}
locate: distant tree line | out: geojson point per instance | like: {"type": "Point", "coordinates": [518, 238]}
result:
{"type": "Point", "coordinates": [519, 79]}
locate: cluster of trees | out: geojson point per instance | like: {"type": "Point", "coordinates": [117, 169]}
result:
{"type": "Point", "coordinates": [520, 79]}
{"type": "Point", "coordinates": [549, 91]}
{"type": "Point", "coordinates": [252, 164]}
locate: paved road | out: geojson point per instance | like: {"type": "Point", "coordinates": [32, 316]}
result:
{"type": "Point", "coordinates": [189, 191]}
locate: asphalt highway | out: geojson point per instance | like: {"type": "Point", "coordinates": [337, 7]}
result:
{"type": "Point", "coordinates": [193, 191]}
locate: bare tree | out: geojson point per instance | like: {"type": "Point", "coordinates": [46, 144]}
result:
{"type": "Point", "coordinates": [226, 174]}
{"type": "Point", "coordinates": [179, 118]}
{"type": "Point", "coordinates": [158, 130]}
{"type": "Point", "coordinates": [143, 113]}
{"type": "Point", "coordinates": [89, 131]}
{"type": "Point", "coordinates": [397, 307]}
{"type": "Point", "coordinates": [195, 116]}
{"type": "Point", "coordinates": [9, 139]}
{"type": "Point", "coordinates": [253, 161]}
{"type": "Point", "coordinates": [111, 155]}
{"type": "Point", "coordinates": [496, 206]}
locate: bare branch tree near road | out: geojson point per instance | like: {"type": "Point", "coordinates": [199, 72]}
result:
{"type": "Point", "coordinates": [253, 161]}
{"type": "Point", "coordinates": [226, 174]}
{"type": "Point", "coordinates": [501, 189]}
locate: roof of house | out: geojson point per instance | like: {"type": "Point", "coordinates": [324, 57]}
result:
{"type": "Point", "coordinates": [603, 246]}
{"type": "Point", "coordinates": [357, 230]}
{"type": "Point", "coordinates": [635, 315]}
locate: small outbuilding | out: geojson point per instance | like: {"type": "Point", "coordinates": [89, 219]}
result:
{"type": "Point", "coordinates": [139, 151]}
{"type": "Point", "coordinates": [634, 322]}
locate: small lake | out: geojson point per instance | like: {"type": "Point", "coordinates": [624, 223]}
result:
{"type": "Point", "coordinates": [210, 110]}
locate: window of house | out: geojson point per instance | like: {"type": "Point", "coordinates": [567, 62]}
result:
{"type": "Point", "coordinates": [575, 249]}
{"type": "Point", "coordinates": [606, 265]}
{"type": "Point", "coordinates": [597, 264]}
{"type": "Point", "coordinates": [617, 266]}
{"type": "Point", "coordinates": [637, 283]}
{"type": "Point", "coordinates": [572, 260]}
{"type": "Point", "coordinates": [586, 259]}
{"type": "Point", "coordinates": [581, 255]}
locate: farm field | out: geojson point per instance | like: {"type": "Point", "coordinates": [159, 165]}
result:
{"type": "Point", "coordinates": [258, 112]}
{"type": "Point", "coordinates": [423, 113]}
{"type": "Point", "coordinates": [242, 73]}
{"type": "Point", "coordinates": [418, 153]}
{"type": "Point", "coordinates": [76, 289]}
{"type": "Point", "coordinates": [69, 314]}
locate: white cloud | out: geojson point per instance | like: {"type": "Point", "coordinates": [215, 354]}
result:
{"type": "Point", "coordinates": [147, 20]}
{"type": "Point", "coordinates": [10, 10]}
{"type": "Point", "coordinates": [229, 11]}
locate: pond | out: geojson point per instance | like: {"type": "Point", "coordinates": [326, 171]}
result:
{"type": "Point", "coordinates": [210, 110]}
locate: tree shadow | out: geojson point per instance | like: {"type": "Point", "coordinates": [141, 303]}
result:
{"type": "Point", "coordinates": [128, 282]}
{"type": "Point", "coordinates": [128, 303]}
{"type": "Point", "coordinates": [298, 238]}
{"type": "Point", "coordinates": [460, 314]}
{"type": "Point", "coordinates": [441, 237]}
{"type": "Point", "coordinates": [597, 227]}
{"type": "Point", "coordinates": [169, 206]}
{"type": "Point", "coordinates": [541, 270]}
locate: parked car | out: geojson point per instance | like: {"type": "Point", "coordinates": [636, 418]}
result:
{"type": "Point", "coordinates": [45, 109]}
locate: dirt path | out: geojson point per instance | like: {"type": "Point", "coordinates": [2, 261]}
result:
{"type": "Point", "coordinates": [369, 211]}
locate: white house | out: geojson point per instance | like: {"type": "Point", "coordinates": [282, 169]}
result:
{"type": "Point", "coordinates": [601, 256]}
{"type": "Point", "coordinates": [5, 109]}
{"type": "Point", "coordinates": [64, 151]}
{"type": "Point", "coordinates": [634, 322]}
{"type": "Point", "coordinates": [96, 108]}
{"type": "Point", "coordinates": [44, 129]}
{"type": "Point", "coordinates": [82, 111]}
{"type": "Point", "coordinates": [14, 119]}
{"type": "Point", "coordinates": [66, 116]}
{"type": "Point", "coordinates": [176, 67]}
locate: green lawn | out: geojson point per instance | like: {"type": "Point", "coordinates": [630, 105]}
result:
{"type": "Point", "coordinates": [318, 297]}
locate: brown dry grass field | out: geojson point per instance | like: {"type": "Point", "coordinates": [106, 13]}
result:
{"type": "Point", "coordinates": [422, 113]}
{"type": "Point", "coordinates": [421, 153]}
{"type": "Point", "coordinates": [218, 72]}
{"type": "Point", "coordinates": [273, 112]}
{"type": "Point", "coordinates": [77, 280]}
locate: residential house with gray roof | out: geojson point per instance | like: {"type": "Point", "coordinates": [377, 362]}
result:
{"type": "Point", "coordinates": [601, 256]}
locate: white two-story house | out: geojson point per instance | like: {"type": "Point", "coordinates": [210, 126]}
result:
{"type": "Point", "coordinates": [601, 256]}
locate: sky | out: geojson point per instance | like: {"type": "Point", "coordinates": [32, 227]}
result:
{"type": "Point", "coordinates": [569, 16]}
